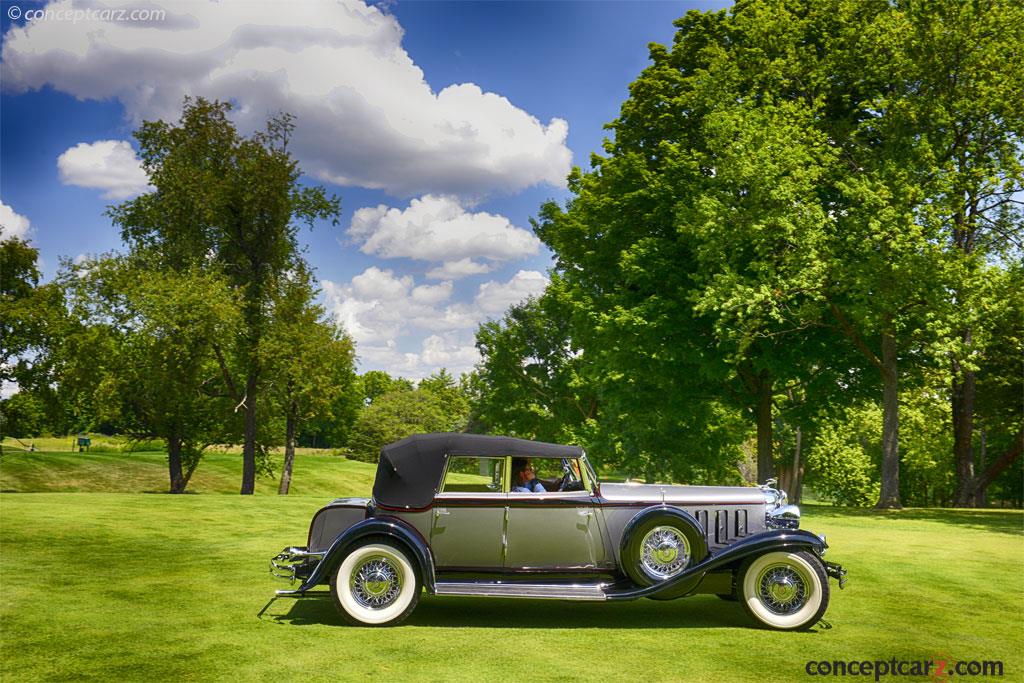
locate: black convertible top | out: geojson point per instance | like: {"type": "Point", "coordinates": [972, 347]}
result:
{"type": "Point", "coordinates": [410, 470]}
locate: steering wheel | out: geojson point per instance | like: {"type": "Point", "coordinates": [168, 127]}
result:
{"type": "Point", "coordinates": [566, 483]}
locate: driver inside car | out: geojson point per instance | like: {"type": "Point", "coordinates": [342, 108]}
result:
{"type": "Point", "coordinates": [523, 478]}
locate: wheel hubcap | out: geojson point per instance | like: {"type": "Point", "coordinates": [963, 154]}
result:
{"type": "Point", "coordinates": [782, 589]}
{"type": "Point", "coordinates": [376, 582]}
{"type": "Point", "coordinates": [664, 552]}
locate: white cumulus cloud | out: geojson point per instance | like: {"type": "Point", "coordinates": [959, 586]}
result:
{"type": "Point", "coordinates": [454, 270]}
{"type": "Point", "coordinates": [107, 165]}
{"type": "Point", "coordinates": [383, 312]}
{"type": "Point", "coordinates": [365, 114]}
{"type": "Point", "coordinates": [439, 229]}
{"type": "Point", "coordinates": [12, 224]}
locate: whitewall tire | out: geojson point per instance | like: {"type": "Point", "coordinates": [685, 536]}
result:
{"type": "Point", "coordinates": [785, 591]}
{"type": "Point", "coordinates": [377, 584]}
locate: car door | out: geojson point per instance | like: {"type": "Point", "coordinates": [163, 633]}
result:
{"type": "Point", "coordinates": [468, 525]}
{"type": "Point", "coordinates": [556, 530]}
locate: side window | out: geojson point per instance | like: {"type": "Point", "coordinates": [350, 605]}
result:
{"type": "Point", "coordinates": [540, 475]}
{"type": "Point", "coordinates": [473, 475]}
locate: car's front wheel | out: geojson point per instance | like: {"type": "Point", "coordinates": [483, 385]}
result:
{"type": "Point", "coordinates": [376, 585]}
{"type": "Point", "coordinates": [785, 591]}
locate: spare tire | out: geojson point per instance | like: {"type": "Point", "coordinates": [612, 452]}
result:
{"type": "Point", "coordinates": [660, 544]}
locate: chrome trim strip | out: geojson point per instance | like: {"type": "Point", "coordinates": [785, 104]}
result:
{"type": "Point", "coordinates": [576, 591]}
{"type": "Point", "coordinates": [486, 495]}
{"type": "Point", "coordinates": [504, 539]}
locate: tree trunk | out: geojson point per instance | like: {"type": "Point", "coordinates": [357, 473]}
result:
{"type": "Point", "coordinates": [765, 462]}
{"type": "Point", "coordinates": [981, 497]}
{"type": "Point", "coordinates": [188, 473]}
{"type": "Point", "coordinates": [178, 481]}
{"type": "Point", "coordinates": [249, 447]}
{"type": "Point", "coordinates": [999, 465]}
{"type": "Point", "coordinates": [890, 497]}
{"type": "Point", "coordinates": [962, 403]}
{"type": "Point", "coordinates": [289, 451]}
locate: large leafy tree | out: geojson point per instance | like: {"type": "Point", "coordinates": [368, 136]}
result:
{"type": "Point", "coordinates": [686, 256]}
{"type": "Point", "coordinates": [781, 178]}
{"type": "Point", "coordinates": [227, 202]}
{"type": "Point", "coordinates": [158, 375]}
{"type": "Point", "coordinates": [963, 71]}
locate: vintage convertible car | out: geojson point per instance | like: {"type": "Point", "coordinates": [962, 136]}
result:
{"type": "Point", "coordinates": [451, 513]}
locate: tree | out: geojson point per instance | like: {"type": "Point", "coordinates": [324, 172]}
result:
{"type": "Point", "coordinates": [452, 394]}
{"type": "Point", "coordinates": [159, 376]}
{"type": "Point", "coordinates": [393, 416]}
{"type": "Point", "coordinates": [781, 176]}
{"type": "Point", "coordinates": [530, 377]}
{"type": "Point", "coordinates": [23, 414]}
{"type": "Point", "coordinates": [19, 278]}
{"type": "Point", "coordinates": [230, 203]}
{"type": "Point", "coordinates": [30, 314]}
{"type": "Point", "coordinates": [685, 254]}
{"type": "Point", "coordinates": [309, 363]}
{"type": "Point", "coordinates": [999, 385]}
{"type": "Point", "coordinates": [965, 72]}
{"type": "Point", "coordinates": [376, 383]}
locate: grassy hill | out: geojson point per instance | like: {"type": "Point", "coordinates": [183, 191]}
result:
{"type": "Point", "coordinates": [315, 473]}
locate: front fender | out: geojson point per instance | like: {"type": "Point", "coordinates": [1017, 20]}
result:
{"type": "Point", "coordinates": [391, 527]}
{"type": "Point", "coordinates": [758, 544]}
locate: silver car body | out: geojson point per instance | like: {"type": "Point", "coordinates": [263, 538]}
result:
{"type": "Point", "coordinates": [573, 544]}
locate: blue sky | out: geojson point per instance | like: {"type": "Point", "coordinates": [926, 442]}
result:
{"type": "Point", "coordinates": [442, 127]}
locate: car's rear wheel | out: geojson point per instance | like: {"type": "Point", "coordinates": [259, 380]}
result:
{"type": "Point", "coordinates": [376, 585]}
{"type": "Point", "coordinates": [785, 591]}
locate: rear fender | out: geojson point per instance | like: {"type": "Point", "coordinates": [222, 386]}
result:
{"type": "Point", "coordinates": [391, 527]}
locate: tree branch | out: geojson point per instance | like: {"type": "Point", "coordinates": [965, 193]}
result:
{"type": "Point", "coordinates": [851, 333]}
{"type": "Point", "coordinates": [225, 372]}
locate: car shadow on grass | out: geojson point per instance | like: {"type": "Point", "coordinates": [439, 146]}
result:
{"type": "Point", "coordinates": [464, 612]}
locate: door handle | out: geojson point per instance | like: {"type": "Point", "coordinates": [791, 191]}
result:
{"type": "Point", "coordinates": [440, 511]}
{"type": "Point", "coordinates": [585, 512]}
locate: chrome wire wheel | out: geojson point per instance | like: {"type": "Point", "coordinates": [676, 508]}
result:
{"type": "Point", "coordinates": [376, 583]}
{"type": "Point", "coordinates": [664, 552]}
{"type": "Point", "coordinates": [783, 589]}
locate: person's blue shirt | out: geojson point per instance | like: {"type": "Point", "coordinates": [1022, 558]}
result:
{"type": "Point", "coordinates": [531, 486]}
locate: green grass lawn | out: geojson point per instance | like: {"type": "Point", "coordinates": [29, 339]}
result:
{"type": "Point", "coordinates": [130, 586]}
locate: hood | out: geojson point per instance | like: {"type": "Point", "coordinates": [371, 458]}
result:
{"type": "Point", "coordinates": [682, 495]}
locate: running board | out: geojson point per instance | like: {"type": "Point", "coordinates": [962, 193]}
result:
{"type": "Point", "coordinates": [552, 591]}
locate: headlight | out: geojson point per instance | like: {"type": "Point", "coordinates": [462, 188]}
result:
{"type": "Point", "coordinates": [784, 517]}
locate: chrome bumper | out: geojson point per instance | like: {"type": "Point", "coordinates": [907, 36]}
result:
{"type": "Point", "coordinates": [836, 572]}
{"type": "Point", "coordinates": [287, 563]}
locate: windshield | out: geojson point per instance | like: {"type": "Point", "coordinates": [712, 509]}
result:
{"type": "Point", "coordinates": [590, 471]}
